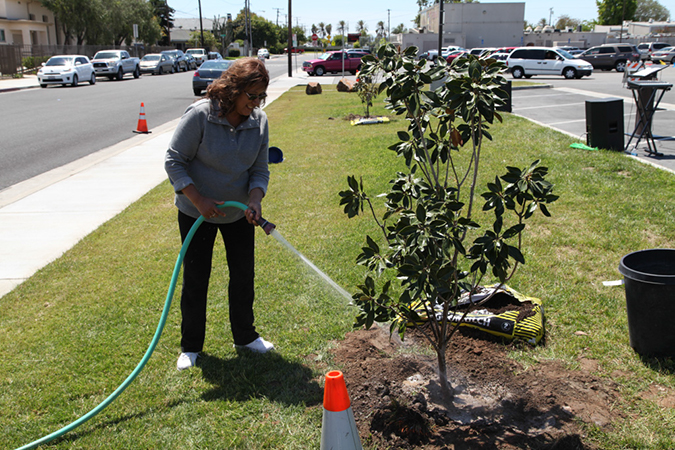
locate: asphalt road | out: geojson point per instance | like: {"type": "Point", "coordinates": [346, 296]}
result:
{"type": "Point", "coordinates": [563, 107]}
{"type": "Point", "coordinates": [43, 129]}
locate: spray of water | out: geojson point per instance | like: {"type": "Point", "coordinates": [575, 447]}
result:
{"type": "Point", "coordinates": [274, 233]}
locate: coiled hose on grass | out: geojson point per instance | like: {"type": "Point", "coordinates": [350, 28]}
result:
{"type": "Point", "coordinates": [153, 344]}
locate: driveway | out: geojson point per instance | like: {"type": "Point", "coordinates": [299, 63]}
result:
{"type": "Point", "coordinates": [562, 106]}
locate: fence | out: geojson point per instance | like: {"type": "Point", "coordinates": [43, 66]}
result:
{"type": "Point", "coordinates": [13, 58]}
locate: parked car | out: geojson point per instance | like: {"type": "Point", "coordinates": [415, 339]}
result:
{"type": "Point", "coordinates": [157, 64]}
{"type": "Point", "coordinates": [502, 53]}
{"type": "Point", "coordinates": [454, 55]}
{"type": "Point", "coordinates": [192, 63]}
{"type": "Point", "coordinates": [647, 48]}
{"type": "Point", "coordinates": [215, 55]}
{"type": "Point", "coordinates": [529, 61]}
{"type": "Point", "coordinates": [481, 51]}
{"type": "Point", "coordinates": [66, 69]}
{"type": "Point", "coordinates": [333, 62]}
{"type": "Point", "coordinates": [179, 62]}
{"type": "Point", "coordinates": [445, 51]}
{"type": "Point", "coordinates": [429, 55]}
{"type": "Point", "coordinates": [114, 64]}
{"type": "Point", "coordinates": [666, 55]}
{"type": "Point", "coordinates": [610, 56]}
{"type": "Point", "coordinates": [207, 72]}
{"type": "Point", "coordinates": [199, 54]}
{"type": "Point", "coordinates": [264, 53]}
{"type": "Point", "coordinates": [295, 50]}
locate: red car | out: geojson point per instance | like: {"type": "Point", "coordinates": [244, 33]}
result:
{"type": "Point", "coordinates": [454, 55]}
{"type": "Point", "coordinates": [294, 50]}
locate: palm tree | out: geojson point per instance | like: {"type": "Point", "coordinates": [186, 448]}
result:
{"type": "Point", "coordinates": [329, 28]}
{"type": "Point", "coordinates": [381, 32]}
{"type": "Point", "coordinates": [315, 29]}
{"type": "Point", "coordinates": [322, 29]}
{"type": "Point", "coordinates": [361, 26]}
{"type": "Point", "coordinates": [342, 24]}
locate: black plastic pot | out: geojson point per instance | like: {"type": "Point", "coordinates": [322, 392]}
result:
{"type": "Point", "coordinates": [649, 279]}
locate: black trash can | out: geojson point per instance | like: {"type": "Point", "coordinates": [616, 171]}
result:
{"type": "Point", "coordinates": [649, 279]}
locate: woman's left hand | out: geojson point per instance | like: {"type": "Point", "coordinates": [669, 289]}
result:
{"type": "Point", "coordinates": [254, 211]}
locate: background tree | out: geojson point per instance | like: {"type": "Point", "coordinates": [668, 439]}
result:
{"type": "Point", "coordinates": [380, 31]}
{"type": "Point", "coordinates": [399, 29]}
{"type": "Point", "coordinates": [566, 21]}
{"type": "Point", "coordinates": [542, 22]}
{"type": "Point", "coordinates": [75, 17]}
{"type": "Point", "coordinates": [210, 40]}
{"type": "Point", "coordinates": [329, 28]}
{"type": "Point", "coordinates": [164, 14]}
{"type": "Point", "coordinates": [322, 30]}
{"type": "Point", "coordinates": [613, 12]}
{"type": "Point", "coordinates": [361, 27]}
{"type": "Point", "coordinates": [650, 9]}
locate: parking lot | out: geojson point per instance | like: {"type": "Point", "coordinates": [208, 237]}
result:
{"type": "Point", "coordinates": [561, 104]}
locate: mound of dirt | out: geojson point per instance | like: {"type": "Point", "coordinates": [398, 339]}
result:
{"type": "Point", "coordinates": [498, 403]}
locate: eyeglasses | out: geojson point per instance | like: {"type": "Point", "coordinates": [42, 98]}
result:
{"type": "Point", "coordinates": [252, 97]}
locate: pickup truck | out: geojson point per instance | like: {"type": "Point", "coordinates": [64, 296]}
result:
{"type": "Point", "coordinates": [332, 62]}
{"type": "Point", "coordinates": [115, 63]}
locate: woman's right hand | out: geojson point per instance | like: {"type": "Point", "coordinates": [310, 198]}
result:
{"type": "Point", "coordinates": [206, 206]}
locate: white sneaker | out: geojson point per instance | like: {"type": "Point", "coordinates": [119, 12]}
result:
{"type": "Point", "coordinates": [260, 345]}
{"type": "Point", "coordinates": [187, 360]}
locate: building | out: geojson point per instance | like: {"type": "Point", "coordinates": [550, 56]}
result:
{"type": "Point", "coordinates": [26, 22]}
{"type": "Point", "coordinates": [473, 25]}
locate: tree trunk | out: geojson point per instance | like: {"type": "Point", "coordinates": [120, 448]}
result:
{"type": "Point", "coordinates": [447, 390]}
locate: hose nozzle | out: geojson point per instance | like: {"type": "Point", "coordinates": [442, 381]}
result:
{"type": "Point", "coordinates": [266, 225]}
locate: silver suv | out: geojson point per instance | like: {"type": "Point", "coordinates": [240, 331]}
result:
{"type": "Point", "coordinates": [610, 56]}
{"type": "Point", "coordinates": [647, 48]}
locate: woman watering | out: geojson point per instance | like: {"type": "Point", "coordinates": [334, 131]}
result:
{"type": "Point", "coordinates": [220, 152]}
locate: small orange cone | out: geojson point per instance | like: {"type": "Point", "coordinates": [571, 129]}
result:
{"type": "Point", "coordinates": [338, 430]}
{"type": "Point", "coordinates": [142, 124]}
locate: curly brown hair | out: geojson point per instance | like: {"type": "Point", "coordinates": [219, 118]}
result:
{"type": "Point", "coordinates": [241, 75]}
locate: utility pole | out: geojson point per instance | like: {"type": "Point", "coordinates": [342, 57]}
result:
{"type": "Point", "coordinates": [290, 41]}
{"type": "Point", "coordinates": [440, 28]}
{"type": "Point", "coordinates": [549, 16]}
{"type": "Point", "coordinates": [201, 27]}
{"type": "Point", "coordinates": [278, 9]}
{"type": "Point", "coordinates": [388, 24]}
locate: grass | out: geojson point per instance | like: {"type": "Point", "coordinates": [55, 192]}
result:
{"type": "Point", "coordinates": [74, 331]}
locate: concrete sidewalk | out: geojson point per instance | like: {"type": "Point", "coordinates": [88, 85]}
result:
{"type": "Point", "coordinates": [45, 216]}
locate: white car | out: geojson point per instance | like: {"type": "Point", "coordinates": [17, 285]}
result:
{"type": "Point", "coordinates": [66, 69]}
{"type": "Point", "coordinates": [263, 53]}
{"type": "Point", "coordinates": [528, 61]}
{"type": "Point", "coordinates": [199, 54]}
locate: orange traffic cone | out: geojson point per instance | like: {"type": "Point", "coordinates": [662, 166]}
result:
{"type": "Point", "coordinates": [338, 430]}
{"type": "Point", "coordinates": [142, 124]}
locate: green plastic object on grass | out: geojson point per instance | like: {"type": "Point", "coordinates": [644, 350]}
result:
{"type": "Point", "coordinates": [582, 146]}
{"type": "Point", "coordinates": [153, 343]}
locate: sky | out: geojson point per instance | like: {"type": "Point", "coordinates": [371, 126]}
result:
{"type": "Point", "coordinates": [392, 12]}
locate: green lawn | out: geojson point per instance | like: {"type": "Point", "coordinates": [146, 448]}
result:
{"type": "Point", "coordinates": [74, 331]}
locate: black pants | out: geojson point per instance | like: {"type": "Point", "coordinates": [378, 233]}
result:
{"type": "Point", "coordinates": [239, 238]}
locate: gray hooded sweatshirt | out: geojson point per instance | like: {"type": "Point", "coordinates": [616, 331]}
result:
{"type": "Point", "coordinates": [223, 162]}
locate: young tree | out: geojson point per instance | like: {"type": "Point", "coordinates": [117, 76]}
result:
{"type": "Point", "coordinates": [613, 12]}
{"type": "Point", "coordinates": [430, 239]}
{"type": "Point", "coordinates": [650, 9]}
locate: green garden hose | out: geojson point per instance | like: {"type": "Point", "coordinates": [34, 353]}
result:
{"type": "Point", "coordinates": [155, 339]}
